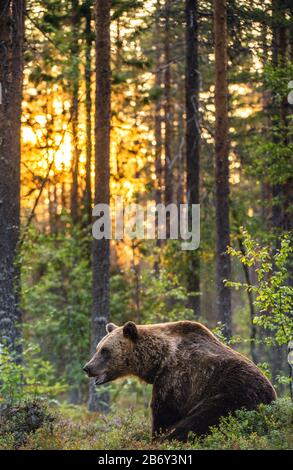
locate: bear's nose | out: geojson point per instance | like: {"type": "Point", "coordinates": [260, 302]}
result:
{"type": "Point", "coordinates": [86, 368]}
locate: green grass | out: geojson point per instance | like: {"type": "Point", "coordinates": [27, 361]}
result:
{"type": "Point", "coordinates": [270, 427]}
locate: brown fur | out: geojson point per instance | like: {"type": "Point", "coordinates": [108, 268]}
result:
{"type": "Point", "coordinates": [196, 378]}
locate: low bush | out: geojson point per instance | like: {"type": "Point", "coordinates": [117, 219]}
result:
{"type": "Point", "coordinates": [268, 427]}
{"type": "Point", "coordinates": [17, 422]}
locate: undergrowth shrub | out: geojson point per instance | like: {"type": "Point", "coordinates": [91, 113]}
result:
{"type": "Point", "coordinates": [268, 427]}
{"type": "Point", "coordinates": [32, 378]}
{"type": "Point", "coordinates": [24, 388]}
{"type": "Point", "coordinates": [18, 421]}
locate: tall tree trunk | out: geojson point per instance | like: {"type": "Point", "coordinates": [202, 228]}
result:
{"type": "Point", "coordinates": [289, 184]}
{"type": "Point", "coordinates": [101, 248]}
{"type": "Point", "coordinates": [278, 50]}
{"type": "Point", "coordinates": [75, 20]}
{"type": "Point", "coordinates": [88, 105]}
{"type": "Point", "coordinates": [266, 190]}
{"type": "Point", "coordinates": [158, 124]}
{"type": "Point", "coordinates": [285, 37]}
{"type": "Point", "coordinates": [11, 73]}
{"type": "Point", "coordinates": [158, 113]}
{"type": "Point", "coordinates": [222, 166]}
{"type": "Point", "coordinates": [192, 140]}
{"type": "Point", "coordinates": [168, 107]}
{"type": "Point", "coordinates": [279, 118]}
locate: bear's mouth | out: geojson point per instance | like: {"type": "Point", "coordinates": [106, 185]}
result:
{"type": "Point", "coordinates": [101, 380]}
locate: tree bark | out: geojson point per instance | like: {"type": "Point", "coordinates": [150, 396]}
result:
{"type": "Point", "coordinates": [168, 108]}
{"type": "Point", "coordinates": [101, 248]}
{"type": "Point", "coordinates": [158, 126]}
{"type": "Point", "coordinates": [266, 190]}
{"type": "Point", "coordinates": [11, 75]}
{"type": "Point", "coordinates": [158, 114]}
{"type": "Point", "coordinates": [279, 111]}
{"type": "Point", "coordinates": [285, 38]}
{"type": "Point", "coordinates": [222, 166]}
{"type": "Point", "coordinates": [192, 141]}
{"type": "Point", "coordinates": [88, 105]}
{"type": "Point", "coordinates": [75, 19]}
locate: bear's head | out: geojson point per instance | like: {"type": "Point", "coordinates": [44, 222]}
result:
{"type": "Point", "coordinates": [114, 356]}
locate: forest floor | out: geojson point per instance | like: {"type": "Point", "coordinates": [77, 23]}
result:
{"type": "Point", "coordinates": [73, 427]}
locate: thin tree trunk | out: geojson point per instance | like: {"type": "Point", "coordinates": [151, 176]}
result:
{"type": "Point", "coordinates": [192, 141]}
{"type": "Point", "coordinates": [222, 166]}
{"type": "Point", "coordinates": [88, 105]}
{"type": "Point", "coordinates": [75, 111]}
{"type": "Point", "coordinates": [52, 213]}
{"type": "Point", "coordinates": [11, 74]}
{"type": "Point", "coordinates": [180, 166]}
{"type": "Point", "coordinates": [277, 189]}
{"type": "Point", "coordinates": [158, 119]}
{"type": "Point", "coordinates": [266, 190]}
{"type": "Point", "coordinates": [101, 248]}
{"type": "Point", "coordinates": [63, 194]}
{"type": "Point", "coordinates": [168, 108]}
{"type": "Point", "coordinates": [253, 330]}
{"type": "Point", "coordinates": [158, 125]}
{"type": "Point", "coordinates": [291, 34]}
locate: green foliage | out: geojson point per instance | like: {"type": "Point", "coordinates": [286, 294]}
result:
{"type": "Point", "coordinates": [11, 376]}
{"type": "Point", "coordinates": [148, 297]}
{"type": "Point", "coordinates": [273, 296]}
{"type": "Point", "coordinates": [268, 427]}
{"type": "Point", "coordinates": [273, 148]}
{"type": "Point", "coordinates": [164, 298]}
{"type": "Point", "coordinates": [33, 377]}
{"type": "Point", "coordinates": [56, 299]}
{"type": "Point", "coordinates": [276, 80]}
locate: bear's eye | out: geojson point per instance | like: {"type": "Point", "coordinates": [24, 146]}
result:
{"type": "Point", "coordinates": [105, 352]}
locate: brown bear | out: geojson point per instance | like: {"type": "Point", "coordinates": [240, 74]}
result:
{"type": "Point", "coordinates": [196, 378]}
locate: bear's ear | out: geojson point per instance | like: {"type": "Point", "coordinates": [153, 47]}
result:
{"type": "Point", "coordinates": [110, 327]}
{"type": "Point", "coordinates": [130, 331]}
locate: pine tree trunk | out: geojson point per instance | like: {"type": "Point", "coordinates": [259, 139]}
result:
{"type": "Point", "coordinates": [289, 184]}
{"type": "Point", "coordinates": [285, 34]}
{"type": "Point", "coordinates": [266, 190]}
{"type": "Point", "coordinates": [168, 109]}
{"type": "Point", "coordinates": [222, 166]}
{"type": "Point", "coordinates": [88, 105]}
{"type": "Point", "coordinates": [75, 111]}
{"type": "Point", "coordinates": [11, 73]}
{"type": "Point", "coordinates": [158, 114]}
{"type": "Point", "coordinates": [280, 194]}
{"type": "Point", "coordinates": [101, 248]}
{"type": "Point", "coordinates": [192, 140]}
{"type": "Point", "coordinates": [158, 127]}
{"type": "Point", "coordinates": [279, 112]}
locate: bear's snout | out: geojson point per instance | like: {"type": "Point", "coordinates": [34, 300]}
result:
{"type": "Point", "coordinates": [87, 369]}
